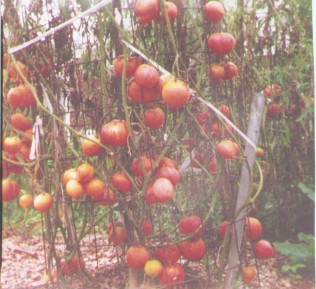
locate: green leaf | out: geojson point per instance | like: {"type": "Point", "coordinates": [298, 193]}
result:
{"type": "Point", "coordinates": [306, 190]}
{"type": "Point", "coordinates": [294, 251]}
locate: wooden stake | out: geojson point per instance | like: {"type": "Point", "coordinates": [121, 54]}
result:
{"type": "Point", "coordinates": [243, 192]}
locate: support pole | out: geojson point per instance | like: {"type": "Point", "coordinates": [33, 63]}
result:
{"type": "Point", "coordinates": [243, 192]}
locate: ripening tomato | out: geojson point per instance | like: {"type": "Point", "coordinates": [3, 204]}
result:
{"type": "Point", "coordinates": [214, 11]}
{"type": "Point", "coordinates": [20, 121]}
{"type": "Point", "coordinates": [10, 190]}
{"type": "Point", "coordinates": [68, 175]}
{"type": "Point", "coordinates": [26, 201]}
{"type": "Point", "coordinates": [169, 173]}
{"type": "Point", "coordinates": [146, 76]}
{"type": "Point", "coordinates": [168, 162]}
{"type": "Point", "coordinates": [25, 152]}
{"type": "Point", "coordinates": [253, 228]}
{"type": "Point", "coordinates": [260, 152]}
{"type": "Point", "coordinates": [216, 72]}
{"type": "Point", "coordinates": [114, 133]}
{"type": "Point", "coordinates": [221, 43]}
{"type": "Point", "coordinates": [163, 79]}
{"type": "Point", "coordinates": [228, 149]}
{"type": "Point", "coordinates": [175, 94]}
{"type": "Point", "coordinates": [74, 189]}
{"type": "Point", "coordinates": [224, 109]}
{"type": "Point", "coordinates": [163, 190]}
{"type": "Point", "coordinates": [107, 198]}
{"type": "Point", "coordinates": [91, 147]}
{"type": "Point", "coordinates": [94, 188]}
{"type": "Point", "coordinates": [12, 144]}
{"type": "Point", "coordinates": [248, 274]}
{"type": "Point", "coordinates": [168, 254]}
{"type": "Point", "coordinates": [122, 182]}
{"type": "Point", "coordinates": [85, 173]}
{"type": "Point", "coordinates": [193, 250]}
{"type": "Point", "coordinates": [154, 118]}
{"type": "Point", "coordinates": [142, 165]}
{"type": "Point", "coordinates": [272, 90]}
{"type": "Point", "coordinates": [264, 249]}
{"type": "Point", "coordinates": [21, 97]}
{"type": "Point", "coordinates": [171, 275]}
{"type": "Point", "coordinates": [230, 68]}
{"type": "Point", "coordinates": [137, 256]}
{"type": "Point", "coordinates": [132, 63]}
{"type": "Point", "coordinates": [153, 268]}
{"type": "Point", "coordinates": [43, 202]}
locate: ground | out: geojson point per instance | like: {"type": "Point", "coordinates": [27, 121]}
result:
{"type": "Point", "coordinates": [23, 267]}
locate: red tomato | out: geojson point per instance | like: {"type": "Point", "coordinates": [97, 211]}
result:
{"type": "Point", "coordinates": [169, 173]}
{"type": "Point", "coordinates": [168, 254]}
{"type": "Point", "coordinates": [228, 149]}
{"type": "Point", "coordinates": [222, 228]}
{"type": "Point", "coordinates": [193, 250]}
{"type": "Point", "coordinates": [216, 72]}
{"type": "Point", "coordinates": [214, 11]}
{"type": "Point", "coordinates": [21, 97]}
{"type": "Point", "coordinates": [20, 121]}
{"type": "Point", "coordinates": [272, 90]}
{"type": "Point", "coordinates": [132, 63]}
{"type": "Point", "coordinates": [142, 95]}
{"type": "Point", "coordinates": [12, 144]}
{"type": "Point", "coordinates": [253, 228]}
{"type": "Point", "coordinates": [172, 12]}
{"type": "Point", "coordinates": [107, 198]}
{"type": "Point", "coordinates": [146, 76]}
{"type": "Point", "coordinates": [172, 274]}
{"type": "Point", "coordinates": [141, 165]}
{"type": "Point", "coordinates": [147, 227]}
{"type": "Point", "coordinates": [149, 195]}
{"type": "Point", "coordinates": [154, 118]}
{"type": "Point", "coordinates": [221, 43]}
{"type": "Point", "coordinates": [114, 133]}
{"type": "Point", "coordinates": [147, 8]}
{"type": "Point", "coordinates": [168, 162]}
{"type": "Point", "coordinates": [136, 256]}
{"type": "Point", "coordinates": [264, 249]}
{"type": "Point", "coordinates": [121, 182]}
{"type": "Point", "coordinates": [27, 137]}
{"type": "Point", "coordinates": [230, 68]}
{"type": "Point", "coordinates": [274, 110]}
{"type": "Point", "coordinates": [191, 224]}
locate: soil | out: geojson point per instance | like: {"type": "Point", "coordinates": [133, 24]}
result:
{"type": "Point", "coordinates": [23, 267]}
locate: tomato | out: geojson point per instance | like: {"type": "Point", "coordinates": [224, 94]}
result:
{"type": "Point", "coordinates": [91, 147]}
{"type": "Point", "coordinates": [260, 152]}
{"type": "Point", "coordinates": [43, 202]}
{"type": "Point", "coordinates": [168, 162]}
{"type": "Point", "coordinates": [228, 149]}
{"type": "Point", "coordinates": [230, 68]}
{"type": "Point", "coordinates": [14, 74]}
{"type": "Point", "coordinates": [264, 249]}
{"type": "Point", "coordinates": [45, 68]}
{"type": "Point", "coordinates": [85, 173]}
{"type": "Point", "coordinates": [27, 137]}
{"type": "Point", "coordinates": [154, 118]}
{"type": "Point", "coordinates": [94, 188]}
{"type": "Point", "coordinates": [222, 228]}
{"type": "Point", "coordinates": [74, 189]}
{"type": "Point", "coordinates": [248, 274]}
{"type": "Point", "coordinates": [172, 12]}
{"type": "Point", "coordinates": [21, 97]}
{"type": "Point", "coordinates": [142, 95]}
{"type": "Point", "coordinates": [272, 90]}
{"type": "Point", "coordinates": [163, 190]}
{"type": "Point", "coordinates": [163, 79]}
{"type": "Point", "coordinates": [141, 165]}
{"type": "Point", "coordinates": [153, 268]}
{"type": "Point", "coordinates": [169, 173]}
{"type": "Point", "coordinates": [137, 256]}
{"type": "Point", "coordinates": [26, 201]}
{"type": "Point", "coordinates": [221, 130]}
{"type": "Point", "coordinates": [193, 250]}
{"type": "Point", "coordinates": [10, 190]}
{"type": "Point", "coordinates": [214, 11]}
{"type": "Point", "coordinates": [203, 117]}
{"type": "Point", "coordinates": [12, 144]}
{"type": "Point", "coordinates": [253, 228]}
{"type": "Point", "coordinates": [114, 133]}
{"type": "Point", "coordinates": [191, 224]}
{"type": "Point", "coordinates": [145, 19]}
{"type": "Point", "coordinates": [221, 43]}
{"type": "Point", "coordinates": [132, 63]}
{"type": "Point", "coordinates": [168, 254]}
{"type": "Point", "coordinates": [13, 168]}
{"type": "Point", "coordinates": [274, 110]}
{"type": "Point", "coordinates": [147, 8]}
{"type": "Point", "coordinates": [216, 72]}
{"type": "Point", "coordinates": [172, 274]}
{"type": "Point", "coordinates": [121, 182]}
{"type": "Point", "coordinates": [117, 234]}
{"type": "Point", "coordinates": [20, 121]}
{"type": "Point", "coordinates": [25, 152]}
{"type": "Point", "coordinates": [149, 195]}
{"type": "Point", "coordinates": [107, 198]}
{"type": "Point", "coordinates": [224, 109]}
{"type": "Point", "coordinates": [70, 174]}
{"type": "Point", "coordinates": [175, 94]}
{"type": "Point", "coordinates": [146, 76]}
{"type": "Point", "coordinates": [147, 227]}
